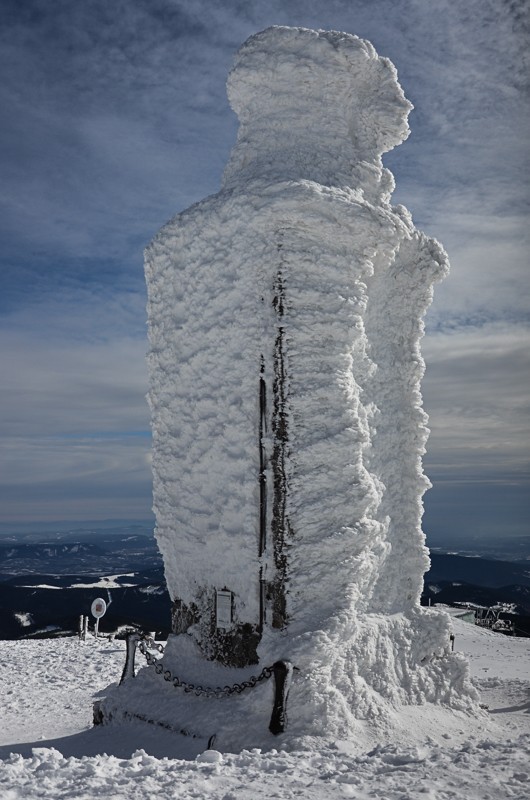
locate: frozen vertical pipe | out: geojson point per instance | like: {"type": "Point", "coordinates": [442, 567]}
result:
{"type": "Point", "coordinates": [285, 316]}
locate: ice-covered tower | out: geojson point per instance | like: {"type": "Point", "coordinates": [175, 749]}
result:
{"type": "Point", "coordinates": [285, 314]}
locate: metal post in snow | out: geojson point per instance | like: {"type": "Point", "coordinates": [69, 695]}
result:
{"type": "Point", "coordinates": [283, 673]}
{"type": "Point", "coordinates": [128, 669]}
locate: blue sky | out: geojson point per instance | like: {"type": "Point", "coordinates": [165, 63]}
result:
{"type": "Point", "coordinates": [115, 117]}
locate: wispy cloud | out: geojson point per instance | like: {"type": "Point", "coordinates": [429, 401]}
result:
{"type": "Point", "coordinates": [74, 425]}
{"type": "Point", "coordinates": [115, 117]}
{"type": "Point", "coordinates": [79, 478]}
{"type": "Point", "coordinates": [476, 391]}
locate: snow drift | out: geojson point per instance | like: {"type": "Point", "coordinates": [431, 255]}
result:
{"type": "Point", "coordinates": [285, 315]}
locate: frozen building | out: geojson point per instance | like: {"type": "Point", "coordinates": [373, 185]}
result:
{"type": "Point", "coordinates": [285, 318]}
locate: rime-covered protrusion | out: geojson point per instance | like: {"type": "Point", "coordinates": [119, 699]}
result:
{"type": "Point", "coordinates": [319, 106]}
{"type": "Point", "coordinates": [285, 316]}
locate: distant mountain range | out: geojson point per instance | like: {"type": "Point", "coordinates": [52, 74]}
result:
{"type": "Point", "coordinates": [45, 586]}
{"type": "Point", "coordinates": [48, 581]}
{"type": "Point", "coordinates": [103, 552]}
{"type": "Point", "coordinates": [454, 579]}
{"type": "Point", "coordinates": [479, 571]}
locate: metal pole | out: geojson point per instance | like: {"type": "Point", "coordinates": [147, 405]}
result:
{"type": "Point", "coordinates": [283, 673]}
{"type": "Point", "coordinates": [128, 670]}
{"type": "Point", "coordinates": [262, 491]}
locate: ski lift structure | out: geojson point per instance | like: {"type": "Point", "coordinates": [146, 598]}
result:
{"type": "Point", "coordinates": [491, 618]}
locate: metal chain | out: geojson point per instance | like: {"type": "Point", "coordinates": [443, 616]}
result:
{"type": "Point", "coordinates": [196, 689]}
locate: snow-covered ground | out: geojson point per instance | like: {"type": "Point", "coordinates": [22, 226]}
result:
{"type": "Point", "coordinates": [49, 748]}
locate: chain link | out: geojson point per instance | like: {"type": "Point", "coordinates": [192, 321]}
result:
{"type": "Point", "coordinates": [192, 688]}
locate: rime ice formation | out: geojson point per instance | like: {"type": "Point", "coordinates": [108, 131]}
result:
{"type": "Point", "coordinates": [285, 314]}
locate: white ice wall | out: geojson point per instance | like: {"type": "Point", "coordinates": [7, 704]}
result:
{"type": "Point", "coordinates": [204, 365]}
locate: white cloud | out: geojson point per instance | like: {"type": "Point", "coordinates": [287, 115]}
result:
{"type": "Point", "coordinates": [75, 422]}
{"type": "Point", "coordinates": [75, 364]}
{"type": "Point", "coordinates": [116, 118]}
{"type": "Point", "coordinates": [476, 392]}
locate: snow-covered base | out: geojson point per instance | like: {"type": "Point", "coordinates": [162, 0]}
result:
{"type": "Point", "coordinates": [348, 685]}
{"type": "Point", "coordinates": [46, 690]}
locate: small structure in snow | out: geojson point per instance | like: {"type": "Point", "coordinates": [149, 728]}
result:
{"type": "Point", "coordinates": [285, 315]}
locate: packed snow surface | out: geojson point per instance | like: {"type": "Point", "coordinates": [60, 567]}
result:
{"type": "Point", "coordinates": [301, 278]}
{"type": "Point", "coordinates": [47, 687]}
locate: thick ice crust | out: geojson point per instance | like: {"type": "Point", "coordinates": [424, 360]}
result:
{"type": "Point", "coordinates": [358, 279]}
{"type": "Point", "coordinates": [300, 273]}
{"type": "Point", "coordinates": [312, 104]}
